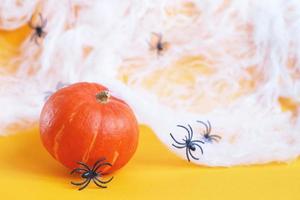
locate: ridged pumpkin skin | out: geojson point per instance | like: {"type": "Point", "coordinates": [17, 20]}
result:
{"type": "Point", "coordinates": [76, 126]}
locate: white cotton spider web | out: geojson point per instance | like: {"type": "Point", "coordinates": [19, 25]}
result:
{"type": "Point", "coordinates": [230, 62]}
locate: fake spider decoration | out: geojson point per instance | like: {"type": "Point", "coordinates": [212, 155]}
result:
{"type": "Point", "coordinates": [188, 143]}
{"type": "Point", "coordinates": [59, 85]}
{"type": "Point", "coordinates": [38, 29]}
{"type": "Point", "coordinates": [156, 44]}
{"type": "Point", "coordinates": [207, 136]}
{"type": "Point", "coordinates": [91, 174]}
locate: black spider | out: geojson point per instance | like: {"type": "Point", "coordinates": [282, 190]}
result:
{"type": "Point", "coordinates": [38, 29]}
{"type": "Point", "coordinates": [207, 136]}
{"type": "Point", "coordinates": [157, 44]}
{"type": "Point", "coordinates": [59, 85]}
{"type": "Point", "coordinates": [91, 174]}
{"type": "Point", "coordinates": [188, 143]}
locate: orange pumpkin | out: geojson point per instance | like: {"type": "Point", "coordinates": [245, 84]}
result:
{"type": "Point", "coordinates": [83, 122]}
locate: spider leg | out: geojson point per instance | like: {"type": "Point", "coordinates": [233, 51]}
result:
{"type": "Point", "coordinates": [191, 131]}
{"type": "Point", "coordinates": [41, 19]}
{"type": "Point", "coordinates": [184, 140]}
{"type": "Point", "coordinates": [99, 184]}
{"type": "Point", "coordinates": [36, 40]}
{"type": "Point", "coordinates": [103, 164]}
{"type": "Point", "coordinates": [85, 165]}
{"type": "Point", "coordinates": [209, 126]}
{"type": "Point", "coordinates": [176, 140]}
{"type": "Point", "coordinates": [43, 34]}
{"type": "Point", "coordinates": [198, 141]}
{"type": "Point", "coordinates": [199, 147]}
{"type": "Point", "coordinates": [165, 45]}
{"type": "Point", "coordinates": [104, 182]}
{"type": "Point", "coordinates": [192, 155]}
{"type": "Point", "coordinates": [187, 155]}
{"type": "Point", "coordinates": [185, 129]}
{"type": "Point", "coordinates": [44, 23]}
{"type": "Point", "coordinates": [77, 170]}
{"type": "Point", "coordinates": [60, 85]}
{"type": "Point", "coordinates": [211, 138]}
{"type": "Point", "coordinates": [206, 127]}
{"type": "Point", "coordinates": [33, 36]}
{"type": "Point", "coordinates": [214, 139]}
{"type": "Point", "coordinates": [47, 95]}
{"type": "Point", "coordinates": [97, 162]}
{"type": "Point", "coordinates": [87, 183]}
{"type": "Point", "coordinates": [103, 174]}
{"type": "Point", "coordinates": [79, 183]}
{"type": "Point", "coordinates": [158, 53]}
{"type": "Point", "coordinates": [178, 146]}
{"type": "Point", "coordinates": [31, 25]}
{"type": "Point", "coordinates": [216, 136]}
{"type": "Point", "coordinates": [207, 140]}
{"type": "Point", "coordinates": [160, 37]}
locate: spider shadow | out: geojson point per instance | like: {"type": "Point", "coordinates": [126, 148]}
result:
{"type": "Point", "coordinates": [26, 155]}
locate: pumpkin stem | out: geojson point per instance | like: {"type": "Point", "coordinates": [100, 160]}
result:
{"type": "Point", "coordinates": [103, 97]}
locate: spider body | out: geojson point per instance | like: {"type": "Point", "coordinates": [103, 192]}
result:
{"type": "Point", "coordinates": [188, 143]}
{"type": "Point", "coordinates": [59, 85]}
{"type": "Point", "coordinates": [38, 29]}
{"type": "Point", "coordinates": [91, 174]}
{"type": "Point", "coordinates": [207, 136]}
{"type": "Point", "coordinates": [157, 44]}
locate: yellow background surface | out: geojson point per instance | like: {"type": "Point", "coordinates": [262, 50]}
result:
{"type": "Point", "coordinates": [27, 171]}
